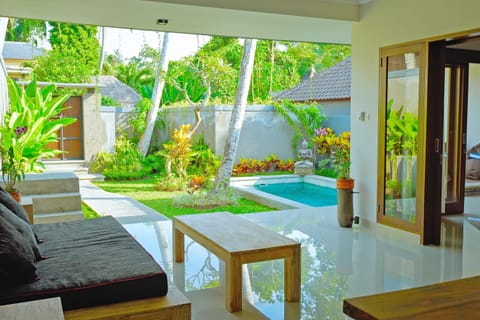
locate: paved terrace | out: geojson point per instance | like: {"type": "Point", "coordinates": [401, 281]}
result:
{"type": "Point", "coordinates": [124, 209]}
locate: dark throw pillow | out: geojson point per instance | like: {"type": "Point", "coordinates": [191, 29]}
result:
{"type": "Point", "coordinates": [17, 260]}
{"type": "Point", "coordinates": [7, 200]}
{"type": "Point", "coordinates": [23, 228]}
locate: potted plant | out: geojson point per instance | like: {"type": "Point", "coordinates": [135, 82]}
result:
{"type": "Point", "coordinates": [336, 149]}
{"type": "Point", "coordinates": [29, 126]}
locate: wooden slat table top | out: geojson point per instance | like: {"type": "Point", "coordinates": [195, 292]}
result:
{"type": "Point", "coordinates": [233, 233]}
{"type": "Point", "coordinates": [50, 309]}
{"type": "Point", "coordinates": [446, 300]}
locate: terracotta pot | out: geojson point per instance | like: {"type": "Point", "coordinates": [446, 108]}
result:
{"type": "Point", "coordinates": [345, 184]}
{"type": "Point", "coordinates": [16, 195]}
{"type": "Point", "coordinates": [345, 202]}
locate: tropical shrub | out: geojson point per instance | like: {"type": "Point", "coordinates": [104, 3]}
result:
{"type": "Point", "coordinates": [204, 161]}
{"type": "Point", "coordinates": [270, 164]}
{"type": "Point", "coordinates": [336, 149]}
{"type": "Point", "coordinates": [303, 119]}
{"type": "Point", "coordinates": [125, 163]}
{"type": "Point", "coordinates": [178, 153]}
{"type": "Point", "coordinates": [206, 199]}
{"type": "Point", "coordinates": [29, 126]}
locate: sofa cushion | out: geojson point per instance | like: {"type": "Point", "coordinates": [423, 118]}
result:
{"type": "Point", "coordinates": [17, 260]}
{"type": "Point", "coordinates": [89, 263]}
{"type": "Point", "coordinates": [7, 200]}
{"type": "Point", "coordinates": [472, 169]}
{"type": "Point", "coordinates": [24, 228]}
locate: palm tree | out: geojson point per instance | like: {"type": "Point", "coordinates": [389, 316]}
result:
{"type": "Point", "coordinates": [161, 72]}
{"type": "Point", "coordinates": [222, 179]}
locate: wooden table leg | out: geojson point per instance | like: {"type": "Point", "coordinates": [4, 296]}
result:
{"type": "Point", "coordinates": [292, 272]}
{"type": "Point", "coordinates": [178, 244]}
{"type": "Point", "coordinates": [233, 284]}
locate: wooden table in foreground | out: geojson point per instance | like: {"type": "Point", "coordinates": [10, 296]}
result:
{"type": "Point", "coordinates": [236, 241]}
{"type": "Point", "coordinates": [458, 299]}
{"type": "Point", "coordinates": [50, 309]}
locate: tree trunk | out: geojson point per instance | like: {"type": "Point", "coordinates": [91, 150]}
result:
{"type": "Point", "coordinates": [162, 69]}
{"type": "Point", "coordinates": [3, 71]}
{"type": "Point", "coordinates": [102, 52]}
{"type": "Point", "coordinates": [222, 179]}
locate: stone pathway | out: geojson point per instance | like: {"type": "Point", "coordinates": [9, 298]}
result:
{"type": "Point", "coordinates": [123, 208]}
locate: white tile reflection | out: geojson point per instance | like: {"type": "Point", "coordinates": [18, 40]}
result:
{"type": "Point", "coordinates": [336, 263]}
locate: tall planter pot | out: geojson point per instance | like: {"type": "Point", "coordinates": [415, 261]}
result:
{"type": "Point", "coordinates": [345, 202]}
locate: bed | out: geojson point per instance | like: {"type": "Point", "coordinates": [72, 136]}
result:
{"type": "Point", "coordinates": [89, 263]}
{"type": "Point", "coordinates": [97, 269]}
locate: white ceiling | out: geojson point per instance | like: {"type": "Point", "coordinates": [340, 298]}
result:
{"type": "Point", "coordinates": [300, 20]}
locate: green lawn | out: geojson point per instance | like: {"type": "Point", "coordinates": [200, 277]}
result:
{"type": "Point", "coordinates": [88, 212]}
{"type": "Point", "coordinates": [144, 192]}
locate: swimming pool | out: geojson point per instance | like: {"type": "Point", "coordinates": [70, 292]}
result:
{"type": "Point", "coordinates": [303, 192]}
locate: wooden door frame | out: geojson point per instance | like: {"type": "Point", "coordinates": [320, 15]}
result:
{"type": "Point", "coordinates": [417, 226]}
{"type": "Point", "coordinates": [459, 115]}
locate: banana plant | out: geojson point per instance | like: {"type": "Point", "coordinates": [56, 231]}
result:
{"type": "Point", "coordinates": [29, 126]}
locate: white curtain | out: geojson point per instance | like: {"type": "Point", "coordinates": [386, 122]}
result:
{"type": "Point", "coordinates": [3, 70]}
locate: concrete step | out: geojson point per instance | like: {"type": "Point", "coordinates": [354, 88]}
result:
{"type": "Point", "coordinates": [91, 176]}
{"type": "Point", "coordinates": [51, 182]}
{"type": "Point", "coordinates": [66, 166]}
{"type": "Point", "coordinates": [58, 217]}
{"type": "Point", "coordinates": [56, 202]}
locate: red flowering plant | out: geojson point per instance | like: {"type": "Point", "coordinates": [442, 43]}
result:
{"type": "Point", "coordinates": [335, 149]}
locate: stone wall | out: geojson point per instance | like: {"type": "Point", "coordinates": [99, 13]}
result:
{"type": "Point", "coordinates": [264, 131]}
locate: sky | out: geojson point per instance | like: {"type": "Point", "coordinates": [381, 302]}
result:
{"type": "Point", "coordinates": [129, 42]}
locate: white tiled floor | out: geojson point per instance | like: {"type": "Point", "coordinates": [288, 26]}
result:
{"type": "Point", "coordinates": [336, 263]}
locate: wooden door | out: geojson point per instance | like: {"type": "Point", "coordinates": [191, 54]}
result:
{"type": "Point", "coordinates": [70, 138]}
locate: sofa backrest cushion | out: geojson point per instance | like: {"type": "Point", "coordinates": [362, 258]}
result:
{"type": "Point", "coordinates": [7, 200]}
{"type": "Point", "coordinates": [23, 228]}
{"type": "Point", "coordinates": [17, 260]}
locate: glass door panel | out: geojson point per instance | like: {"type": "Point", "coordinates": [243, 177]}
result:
{"type": "Point", "coordinates": [402, 101]}
{"type": "Point", "coordinates": [402, 136]}
{"type": "Point", "coordinates": [455, 105]}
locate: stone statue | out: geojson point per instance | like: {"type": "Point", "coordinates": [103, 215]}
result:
{"type": "Point", "coordinates": [305, 165]}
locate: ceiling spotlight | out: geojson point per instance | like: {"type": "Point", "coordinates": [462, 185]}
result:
{"type": "Point", "coordinates": [162, 22]}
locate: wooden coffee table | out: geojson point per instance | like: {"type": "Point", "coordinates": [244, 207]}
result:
{"type": "Point", "coordinates": [236, 241]}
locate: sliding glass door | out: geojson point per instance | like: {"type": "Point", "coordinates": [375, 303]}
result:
{"type": "Point", "coordinates": [401, 150]}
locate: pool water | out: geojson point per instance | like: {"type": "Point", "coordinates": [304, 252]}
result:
{"type": "Point", "coordinates": [306, 193]}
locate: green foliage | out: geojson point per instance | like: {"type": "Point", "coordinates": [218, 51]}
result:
{"type": "Point", "coordinates": [126, 162]}
{"type": "Point", "coordinates": [138, 117]}
{"type": "Point", "coordinates": [326, 172]}
{"type": "Point", "coordinates": [204, 161]}
{"type": "Point", "coordinates": [303, 119]}
{"type": "Point", "coordinates": [88, 212]}
{"type": "Point", "coordinates": [110, 102]}
{"type": "Point", "coordinates": [172, 183]}
{"type": "Point", "coordinates": [74, 55]}
{"type": "Point", "coordinates": [26, 30]}
{"type": "Point", "coordinates": [319, 55]}
{"type": "Point", "coordinates": [271, 75]}
{"type": "Point", "coordinates": [155, 162]}
{"type": "Point", "coordinates": [402, 131]}
{"type": "Point", "coordinates": [29, 126]}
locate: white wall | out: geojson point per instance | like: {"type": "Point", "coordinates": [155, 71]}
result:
{"type": "Point", "coordinates": [387, 22]}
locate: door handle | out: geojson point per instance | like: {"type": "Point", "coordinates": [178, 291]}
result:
{"type": "Point", "coordinates": [437, 145]}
